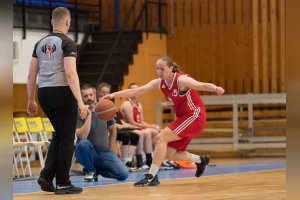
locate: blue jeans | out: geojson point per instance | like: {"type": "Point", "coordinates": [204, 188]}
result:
{"type": "Point", "coordinates": [107, 163]}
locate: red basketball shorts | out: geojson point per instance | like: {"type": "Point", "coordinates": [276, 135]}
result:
{"type": "Point", "coordinates": [187, 127]}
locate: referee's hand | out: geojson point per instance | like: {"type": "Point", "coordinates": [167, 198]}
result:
{"type": "Point", "coordinates": [83, 110]}
{"type": "Point", "coordinates": [32, 108]}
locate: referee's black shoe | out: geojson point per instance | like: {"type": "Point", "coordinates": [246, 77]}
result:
{"type": "Point", "coordinates": [46, 185]}
{"type": "Point", "coordinates": [201, 166]}
{"type": "Point", "coordinates": [148, 180]}
{"type": "Point", "coordinates": [67, 189]}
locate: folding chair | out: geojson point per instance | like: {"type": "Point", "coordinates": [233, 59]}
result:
{"type": "Point", "coordinates": [41, 141]}
{"type": "Point", "coordinates": [20, 148]}
{"type": "Point", "coordinates": [47, 127]}
{"type": "Point", "coordinates": [15, 162]}
{"type": "Point", "coordinates": [50, 129]}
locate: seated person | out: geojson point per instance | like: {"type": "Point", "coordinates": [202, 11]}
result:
{"type": "Point", "coordinates": [125, 131]}
{"type": "Point", "coordinates": [132, 112]}
{"type": "Point", "coordinates": [129, 138]}
{"type": "Point", "coordinates": [93, 149]}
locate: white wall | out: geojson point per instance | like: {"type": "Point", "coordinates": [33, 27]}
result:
{"type": "Point", "coordinates": [25, 49]}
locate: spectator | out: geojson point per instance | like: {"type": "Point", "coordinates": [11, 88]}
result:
{"type": "Point", "coordinates": [93, 149]}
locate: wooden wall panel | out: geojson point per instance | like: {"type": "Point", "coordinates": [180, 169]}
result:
{"type": "Point", "coordinates": [234, 51]}
{"type": "Point", "coordinates": [255, 21]}
{"type": "Point", "coordinates": [107, 15]}
{"type": "Point", "coordinates": [282, 44]}
{"type": "Point", "coordinates": [248, 41]}
{"type": "Point", "coordinates": [212, 38]}
{"type": "Point", "coordinates": [264, 43]}
{"type": "Point", "coordinates": [205, 11]}
{"type": "Point", "coordinates": [239, 44]}
{"type": "Point", "coordinates": [273, 13]}
{"type": "Point", "coordinates": [20, 101]}
{"type": "Point", "coordinates": [220, 29]}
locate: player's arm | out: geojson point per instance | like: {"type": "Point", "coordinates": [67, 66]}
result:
{"type": "Point", "coordinates": [128, 111]}
{"type": "Point", "coordinates": [154, 84]}
{"type": "Point", "coordinates": [124, 124]}
{"type": "Point", "coordinates": [188, 82]}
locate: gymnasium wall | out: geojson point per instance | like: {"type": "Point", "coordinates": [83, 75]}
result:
{"type": "Point", "coordinates": [23, 52]}
{"type": "Point", "coordinates": [238, 44]}
{"type": "Point", "coordinates": [24, 48]}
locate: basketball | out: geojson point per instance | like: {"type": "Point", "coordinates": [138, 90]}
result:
{"type": "Point", "coordinates": [105, 109]}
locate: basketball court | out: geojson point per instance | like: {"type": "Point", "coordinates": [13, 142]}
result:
{"type": "Point", "coordinates": [249, 178]}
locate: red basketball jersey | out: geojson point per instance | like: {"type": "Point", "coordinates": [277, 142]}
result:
{"type": "Point", "coordinates": [136, 111]}
{"type": "Point", "coordinates": [183, 104]}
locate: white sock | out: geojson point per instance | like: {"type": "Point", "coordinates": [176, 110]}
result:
{"type": "Point", "coordinates": [153, 170]}
{"type": "Point", "coordinates": [125, 160]}
{"type": "Point", "coordinates": [195, 158]}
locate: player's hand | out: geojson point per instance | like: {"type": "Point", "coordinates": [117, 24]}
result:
{"type": "Point", "coordinates": [219, 90]}
{"type": "Point", "coordinates": [108, 96]}
{"type": "Point", "coordinates": [32, 108]}
{"type": "Point", "coordinates": [127, 126]}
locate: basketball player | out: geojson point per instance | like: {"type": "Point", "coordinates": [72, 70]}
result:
{"type": "Point", "coordinates": [181, 91]}
{"type": "Point", "coordinates": [132, 112]}
{"type": "Point", "coordinates": [54, 62]}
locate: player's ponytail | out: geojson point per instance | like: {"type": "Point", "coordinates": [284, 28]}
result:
{"type": "Point", "coordinates": [170, 62]}
{"type": "Point", "coordinates": [176, 68]}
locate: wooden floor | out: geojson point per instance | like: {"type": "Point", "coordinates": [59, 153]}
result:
{"type": "Point", "coordinates": [263, 185]}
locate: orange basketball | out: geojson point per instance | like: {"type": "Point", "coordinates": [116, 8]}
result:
{"type": "Point", "coordinates": [105, 109]}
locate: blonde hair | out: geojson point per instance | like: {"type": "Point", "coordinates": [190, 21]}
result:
{"type": "Point", "coordinates": [170, 62]}
{"type": "Point", "coordinates": [60, 13]}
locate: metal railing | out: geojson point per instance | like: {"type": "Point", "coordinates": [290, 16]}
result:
{"type": "Point", "coordinates": [235, 101]}
{"type": "Point", "coordinates": [36, 14]}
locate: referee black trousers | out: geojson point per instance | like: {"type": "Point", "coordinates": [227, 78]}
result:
{"type": "Point", "coordinates": [60, 106]}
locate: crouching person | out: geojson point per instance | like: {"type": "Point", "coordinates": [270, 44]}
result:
{"type": "Point", "coordinates": [93, 149]}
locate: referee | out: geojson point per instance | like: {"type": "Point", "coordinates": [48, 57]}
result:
{"type": "Point", "coordinates": [54, 63]}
